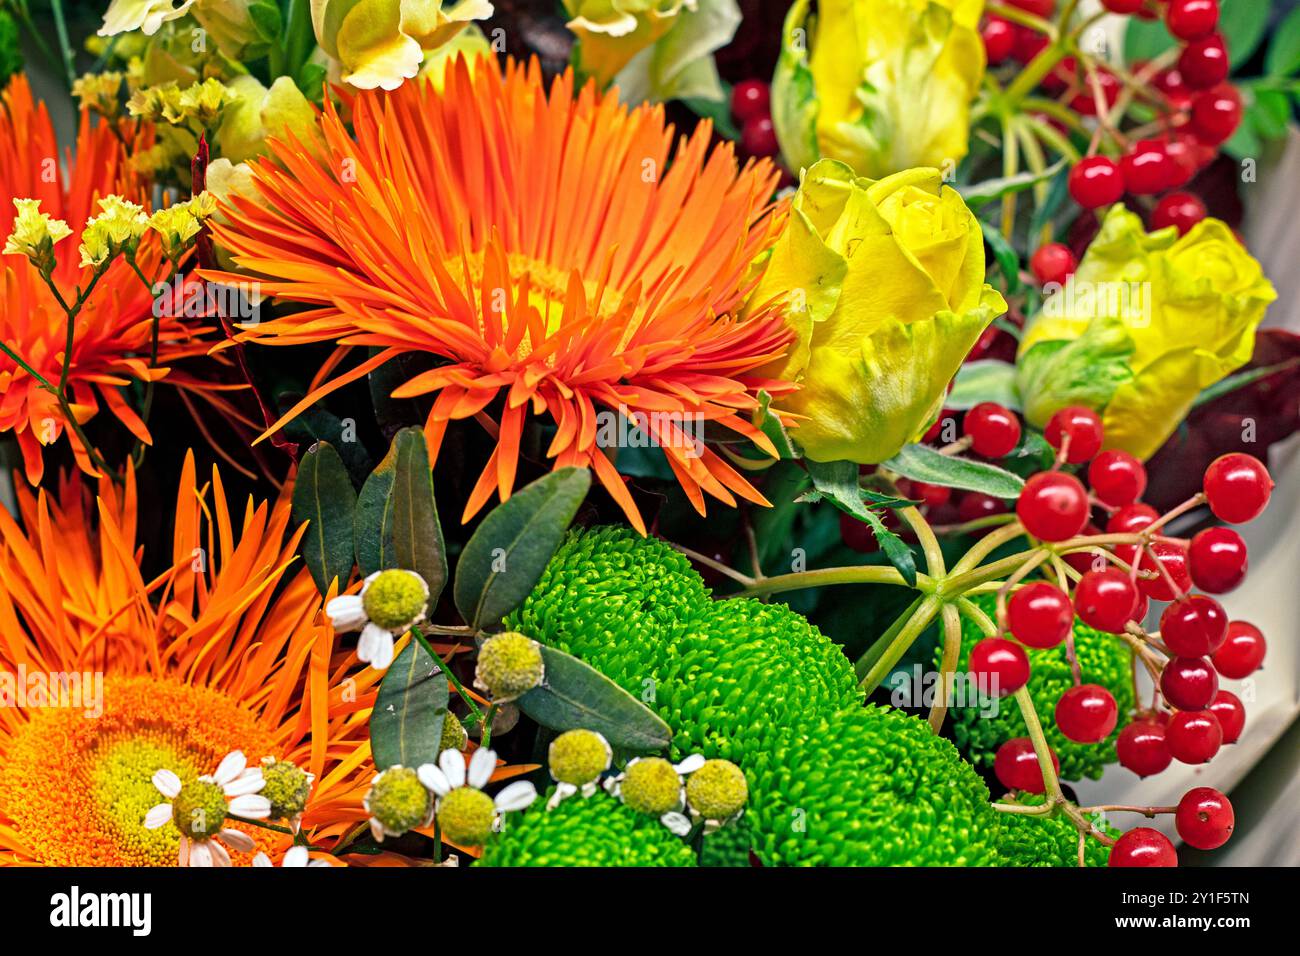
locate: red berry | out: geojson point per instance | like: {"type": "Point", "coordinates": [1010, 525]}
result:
{"type": "Point", "coordinates": [1000, 666]}
{"type": "Point", "coordinates": [1141, 748]}
{"type": "Point", "coordinates": [758, 137]}
{"type": "Point", "coordinates": [932, 496]}
{"type": "Point", "coordinates": [975, 505]}
{"type": "Point", "coordinates": [1142, 846]}
{"type": "Point", "coordinates": [1193, 736]}
{"type": "Point", "coordinates": [999, 39]}
{"type": "Point", "coordinates": [1085, 561]}
{"type": "Point", "coordinates": [1123, 6]}
{"type": "Point", "coordinates": [1096, 181]}
{"type": "Point", "coordinates": [1182, 210]}
{"type": "Point", "coordinates": [1086, 714]}
{"type": "Point", "coordinates": [1040, 615]}
{"type": "Point", "coordinates": [1118, 479]}
{"type": "Point", "coordinates": [1131, 519]}
{"type": "Point", "coordinates": [751, 100]}
{"type": "Point", "coordinates": [1029, 43]}
{"type": "Point", "coordinates": [1238, 487]}
{"type": "Point", "coordinates": [1173, 558]}
{"type": "Point", "coordinates": [857, 535]}
{"type": "Point", "coordinates": [1231, 713]}
{"type": "Point", "coordinates": [1039, 8]}
{"type": "Point", "coordinates": [1217, 559]}
{"type": "Point", "coordinates": [1082, 426]}
{"type": "Point", "coordinates": [1192, 19]}
{"type": "Point", "coordinates": [1216, 114]}
{"type": "Point", "coordinates": [1194, 626]}
{"type": "Point", "coordinates": [1085, 102]}
{"type": "Point", "coordinates": [1148, 169]}
{"type": "Point", "coordinates": [1242, 651]}
{"type": "Point", "coordinates": [1053, 263]}
{"type": "Point", "coordinates": [1189, 683]}
{"type": "Point", "coordinates": [994, 431]}
{"type": "Point", "coordinates": [1053, 506]}
{"type": "Point", "coordinates": [1204, 818]}
{"type": "Point", "coordinates": [1105, 600]}
{"type": "Point", "coordinates": [1016, 766]}
{"type": "Point", "coordinates": [1204, 63]}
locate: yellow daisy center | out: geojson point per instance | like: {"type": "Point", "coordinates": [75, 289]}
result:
{"type": "Point", "coordinates": [76, 788]}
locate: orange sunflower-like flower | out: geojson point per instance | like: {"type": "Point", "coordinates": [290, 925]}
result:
{"type": "Point", "coordinates": [558, 253]}
{"type": "Point", "coordinates": [112, 338]}
{"type": "Point", "coordinates": [107, 677]}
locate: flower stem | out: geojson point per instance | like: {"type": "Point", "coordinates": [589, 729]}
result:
{"type": "Point", "coordinates": [476, 715]}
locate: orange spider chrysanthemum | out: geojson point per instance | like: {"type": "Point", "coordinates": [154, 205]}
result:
{"type": "Point", "coordinates": [112, 340]}
{"type": "Point", "coordinates": [553, 250]}
{"type": "Point", "coordinates": [227, 650]}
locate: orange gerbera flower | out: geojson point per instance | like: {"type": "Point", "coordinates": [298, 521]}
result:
{"type": "Point", "coordinates": [112, 341]}
{"type": "Point", "coordinates": [557, 251]}
{"type": "Point", "coordinates": [106, 677]}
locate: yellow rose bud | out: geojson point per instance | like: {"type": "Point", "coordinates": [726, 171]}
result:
{"type": "Point", "coordinates": [883, 85]}
{"type": "Point", "coordinates": [34, 234]}
{"type": "Point", "coordinates": [1147, 322]}
{"type": "Point", "coordinates": [381, 43]}
{"type": "Point", "coordinates": [883, 283]}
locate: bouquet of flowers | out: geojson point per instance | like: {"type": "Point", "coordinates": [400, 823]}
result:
{"type": "Point", "coordinates": [419, 414]}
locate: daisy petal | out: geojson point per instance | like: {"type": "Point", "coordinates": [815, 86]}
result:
{"type": "Point", "coordinates": [676, 822]}
{"type": "Point", "coordinates": [231, 766]}
{"type": "Point", "coordinates": [252, 806]}
{"type": "Point", "coordinates": [200, 853]}
{"type": "Point", "coordinates": [157, 816]}
{"type": "Point", "coordinates": [434, 779]}
{"type": "Point", "coordinates": [452, 763]}
{"type": "Point", "coordinates": [168, 784]}
{"type": "Point", "coordinates": [295, 856]}
{"type": "Point", "coordinates": [238, 840]}
{"type": "Point", "coordinates": [250, 781]}
{"type": "Point", "coordinates": [481, 766]}
{"type": "Point", "coordinates": [691, 764]}
{"type": "Point", "coordinates": [261, 859]}
{"type": "Point", "coordinates": [518, 795]}
{"type": "Point", "coordinates": [346, 613]}
{"type": "Point", "coordinates": [219, 855]}
{"type": "Point", "coordinates": [183, 853]}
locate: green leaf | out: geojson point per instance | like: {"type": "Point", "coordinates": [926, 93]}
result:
{"type": "Point", "coordinates": [1284, 52]}
{"type": "Point", "coordinates": [899, 554]}
{"type": "Point", "coordinates": [1082, 371]}
{"type": "Point", "coordinates": [1004, 253]}
{"type": "Point", "coordinates": [323, 495]}
{"type": "Point", "coordinates": [1242, 23]}
{"type": "Point", "coordinates": [318, 424]}
{"type": "Point", "coordinates": [373, 523]}
{"type": "Point", "coordinates": [266, 20]}
{"type": "Point", "coordinates": [410, 707]}
{"type": "Point", "coordinates": [719, 111]}
{"type": "Point", "coordinates": [1242, 380]}
{"type": "Point", "coordinates": [1270, 113]}
{"type": "Point", "coordinates": [505, 557]}
{"type": "Point", "coordinates": [394, 413]}
{"type": "Point", "coordinates": [417, 534]}
{"type": "Point", "coordinates": [1044, 211]}
{"type": "Point", "coordinates": [837, 482]}
{"type": "Point", "coordinates": [573, 695]}
{"type": "Point", "coordinates": [923, 463]}
{"type": "Point", "coordinates": [984, 380]}
{"type": "Point", "coordinates": [983, 193]}
{"type": "Point", "coordinates": [766, 422]}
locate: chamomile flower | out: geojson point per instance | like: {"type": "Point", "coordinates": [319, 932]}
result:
{"type": "Point", "coordinates": [295, 856]}
{"type": "Point", "coordinates": [287, 787]}
{"type": "Point", "coordinates": [716, 792]}
{"type": "Point", "coordinates": [654, 786]}
{"type": "Point", "coordinates": [199, 810]}
{"type": "Point", "coordinates": [509, 665]}
{"type": "Point", "coordinates": [398, 801]}
{"type": "Point", "coordinates": [576, 759]}
{"type": "Point", "coordinates": [391, 602]}
{"type": "Point", "coordinates": [466, 815]}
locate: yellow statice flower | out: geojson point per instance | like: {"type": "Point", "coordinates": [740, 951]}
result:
{"type": "Point", "coordinates": [883, 282]}
{"type": "Point", "coordinates": [883, 85]}
{"type": "Point", "coordinates": [1147, 322]}
{"type": "Point", "coordinates": [180, 223]}
{"type": "Point", "coordinates": [34, 234]}
{"type": "Point", "coordinates": [381, 43]}
{"type": "Point", "coordinates": [118, 228]}
{"type": "Point", "coordinates": [98, 92]}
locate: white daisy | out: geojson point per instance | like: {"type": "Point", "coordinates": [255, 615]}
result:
{"type": "Point", "coordinates": [295, 856]}
{"type": "Point", "coordinates": [390, 603]}
{"type": "Point", "coordinates": [200, 808]}
{"type": "Point", "coordinates": [465, 814]}
{"type": "Point", "coordinates": [653, 785]}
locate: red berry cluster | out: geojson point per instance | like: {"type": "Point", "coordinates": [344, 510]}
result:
{"type": "Point", "coordinates": [751, 107]}
{"type": "Point", "coordinates": [1191, 716]}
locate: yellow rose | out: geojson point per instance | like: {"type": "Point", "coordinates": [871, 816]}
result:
{"type": "Point", "coordinates": [381, 43]}
{"type": "Point", "coordinates": [883, 85]}
{"type": "Point", "coordinates": [1167, 318]}
{"type": "Point", "coordinates": [883, 283]}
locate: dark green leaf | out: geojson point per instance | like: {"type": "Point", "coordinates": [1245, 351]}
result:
{"type": "Point", "coordinates": [506, 555]}
{"type": "Point", "coordinates": [417, 534]}
{"type": "Point", "coordinates": [899, 554]}
{"type": "Point", "coordinates": [323, 496]}
{"type": "Point", "coordinates": [394, 413]}
{"type": "Point", "coordinates": [1284, 51]}
{"type": "Point", "coordinates": [1004, 253]}
{"type": "Point", "coordinates": [1243, 24]}
{"type": "Point", "coordinates": [406, 723]}
{"type": "Point", "coordinates": [926, 464]}
{"type": "Point", "coordinates": [1044, 211]}
{"type": "Point", "coordinates": [717, 110]}
{"type": "Point", "coordinates": [990, 190]}
{"type": "Point", "coordinates": [318, 424]}
{"type": "Point", "coordinates": [373, 525]}
{"type": "Point", "coordinates": [573, 695]}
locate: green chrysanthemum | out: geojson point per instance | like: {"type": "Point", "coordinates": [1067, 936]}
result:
{"type": "Point", "coordinates": [868, 787]}
{"type": "Point", "coordinates": [598, 831]}
{"type": "Point", "coordinates": [1103, 659]}
{"type": "Point", "coordinates": [1048, 841]}
{"type": "Point", "coordinates": [728, 846]}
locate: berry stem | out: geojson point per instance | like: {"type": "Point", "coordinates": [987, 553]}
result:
{"type": "Point", "coordinates": [893, 652]}
{"type": "Point", "coordinates": [947, 665]}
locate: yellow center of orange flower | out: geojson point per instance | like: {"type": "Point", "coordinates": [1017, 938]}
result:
{"type": "Point", "coordinates": [76, 787]}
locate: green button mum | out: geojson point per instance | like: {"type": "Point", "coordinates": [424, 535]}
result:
{"type": "Point", "coordinates": [1053, 840]}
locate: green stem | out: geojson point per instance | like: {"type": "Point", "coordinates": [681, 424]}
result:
{"type": "Point", "coordinates": [861, 574]}
{"type": "Point", "coordinates": [878, 646]}
{"type": "Point", "coordinates": [65, 45]}
{"type": "Point", "coordinates": [904, 639]}
{"type": "Point", "coordinates": [1041, 748]}
{"type": "Point", "coordinates": [476, 715]}
{"type": "Point", "coordinates": [947, 664]}
{"type": "Point", "coordinates": [485, 734]}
